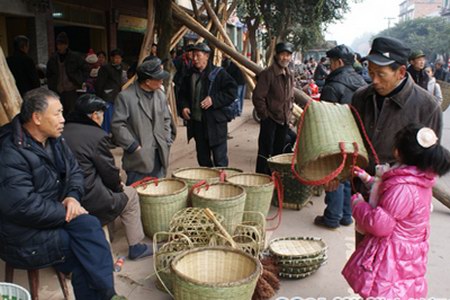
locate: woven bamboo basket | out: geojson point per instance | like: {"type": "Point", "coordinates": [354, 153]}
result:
{"type": "Point", "coordinates": [259, 190]}
{"type": "Point", "coordinates": [445, 88]}
{"type": "Point", "coordinates": [193, 175]}
{"type": "Point", "coordinates": [215, 273]}
{"type": "Point", "coordinates": [328, 143]}
{"type": "Point", "coordinates": [229, 171]}
{"type": "Point", "coordinates": [193, 223]}
{"type": "Point", "coordinates": [159, 201]}
{"type": "Point", "coordinates": [294, 192]}
{"type": "Point", "coordinates": [225, 199]}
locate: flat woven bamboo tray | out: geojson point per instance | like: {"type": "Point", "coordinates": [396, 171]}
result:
{"type": "Point", "coordinates": [296, 276]}
{"type": "Point", "coordinates": [300, 270]}
{"type": "Point", "coordinates": [297, 247]}
{"type": "Point", "coordinates": [303, 262]}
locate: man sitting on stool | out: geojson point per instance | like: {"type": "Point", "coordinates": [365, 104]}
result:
{"type": "Point", "coordinates": [106, 197]}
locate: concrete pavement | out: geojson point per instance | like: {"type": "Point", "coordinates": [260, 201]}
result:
{"type": "Point", "coordinates": [136, 280]}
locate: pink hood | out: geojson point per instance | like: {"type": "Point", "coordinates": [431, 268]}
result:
{"type": "Point", "coordinates": [391, 260]}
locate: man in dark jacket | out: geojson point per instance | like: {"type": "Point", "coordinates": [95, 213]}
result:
{"type": "Point", "coordinates": [440, 73]}
{"type": "Point", "coordinates": [391, 102]}
{"type": "Point", "coordinates": [321, 73]}
{"type": "Point", "coordinates": [22, 66]}
{"type": "Point", "coordinates": [206, 94]}
{"type": "Point", "coordinates": [42, 221]}
{"type": "Point", "coordinates": [417, 69]}
{"type": "Point", "coordinates": [105, 195]}
{"type": "Point", "coordinates": [234, 71]}
{"type": "Point", "coordinates": [66, 72]}
{"type": "Point", "coordinates": [109, 84]}
{"type": "Point", "coordinates": [273, 99]}
{"type": "Point", "coordinates": [339, 87]}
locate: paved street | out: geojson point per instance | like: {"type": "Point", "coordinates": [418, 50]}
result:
{"type": "Point", "coordinates": [136, 280]}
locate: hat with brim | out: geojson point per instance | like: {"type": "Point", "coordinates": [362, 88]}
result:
{"type": "Point", "coordinates": [380, 59]}
{"type": "Point", "coordinates": [387, 50]}
{"type": "Point", "coordinates": [416, 54]}
{"type": "Point", "coordinates": [200, 47]}
{"type": "Point", "coordinates": [151, 69]}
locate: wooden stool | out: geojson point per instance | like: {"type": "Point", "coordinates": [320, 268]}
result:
{"type": "Point", "coordinates": [33, 280]}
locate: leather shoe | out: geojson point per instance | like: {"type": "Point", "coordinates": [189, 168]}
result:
{"type": "Point", "coordinates": [320, 221]}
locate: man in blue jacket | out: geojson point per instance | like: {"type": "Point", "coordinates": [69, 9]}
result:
{"type": "Point", "coordinates": [42, 222]}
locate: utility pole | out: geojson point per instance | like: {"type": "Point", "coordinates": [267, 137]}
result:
{"type": "Point", "coordinates": [389, 21]}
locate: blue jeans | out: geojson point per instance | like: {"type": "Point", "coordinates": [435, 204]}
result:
{"type": "Point", "coordinates": [240, 96]}
{"type": "Point", "coordinates": [88, 257]}
{"type": "Point", "coordinates": [338, 206]}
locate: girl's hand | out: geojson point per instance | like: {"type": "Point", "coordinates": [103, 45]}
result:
{"type": "Point", "coordinates": [363, 175]}
{"type": "Point", "coordinates": [355, 199]}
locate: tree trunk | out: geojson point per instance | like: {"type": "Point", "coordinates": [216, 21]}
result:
{"type": "Point", "coordinates": [9, 95]}
{"type": "Point", "coordinates": [300, 97]}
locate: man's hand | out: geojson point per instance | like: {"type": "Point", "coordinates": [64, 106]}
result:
{"type": "Point", "coordinates": [206, 103]}
{"type": "Point", "coordinates": [331, 186]}
{"type": "Point", "coordinates": [186, 113]}
{"type": "Point", "coordinates": [73, 208]}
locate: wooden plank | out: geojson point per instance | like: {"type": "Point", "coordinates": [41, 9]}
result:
{"type": "Point", "coordinates": [9, 95]}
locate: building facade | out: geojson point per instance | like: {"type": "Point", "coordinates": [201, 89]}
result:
{"type": "Point", "coordinates": [413, 9]}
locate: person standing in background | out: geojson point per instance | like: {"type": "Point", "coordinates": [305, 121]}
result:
{"type": "Point", "coordinates": [22, 66]}
{"type": "Point", "coordinates": [66, 72]}
{"type": "Point", "coordinates": [417, 68]}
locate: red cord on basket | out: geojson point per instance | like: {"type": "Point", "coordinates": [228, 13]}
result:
{"type": "Point", "coordinates": [198, 185]}
{"type": "Point", "coordinates": [145, 180]}
{"type": "Point", "coordinates": [354, 161]}
{"type": "Point", "coordinates": [223, 176]}
{"type": "Point", "coordinates": [280, 193]}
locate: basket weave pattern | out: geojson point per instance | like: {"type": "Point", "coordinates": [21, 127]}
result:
{"type": "Point", "coordinates": [193, 175]}
{"type": "Point", "coordinates": [215, 273]}
{"type": "Point", "coordinates": [445, 88]}
{"type": "Point", "coordinates": [259, 189]}
{"type": "Point", "coordinates": [159, 202]}
{"type": "Point", "coordinates": [13, 291]}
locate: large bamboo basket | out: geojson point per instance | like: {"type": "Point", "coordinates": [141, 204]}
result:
{"type": "Point", "coordinates": [215, 273]}
{"type": "Point", "coordinates": [327, 144]}
{"type": "Point", "coordinates": [295, 193]}
{"type": "Point", "coordinates": [160, 200]}
{"type": "Point", "coordinates": [259, 190]}
{"type": "Point", "coordinates": [445, 88]}
{"type": "Point", "coordinates": [225, 199]}
{"type": "Point", "coordinates": [193, 175]}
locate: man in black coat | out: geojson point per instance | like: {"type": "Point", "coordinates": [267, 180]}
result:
{"type": "Point", "coordinates": [42, 221]}
{"type": "Point", "coordinates": [339, 87]}
{"type": "Point", "coordinates": [417, 68]}
{"type": "Point", "coordinates": [206, 94]}
{"type": "Point", "coordinates": [106, 197]}
{"type": "Point", "coordinates": [22, 66]}
{"type": "Point", "coordinates": [66, 72]}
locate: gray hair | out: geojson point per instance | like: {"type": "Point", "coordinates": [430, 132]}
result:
{"type": "Point", "coordinates": [35, 101]}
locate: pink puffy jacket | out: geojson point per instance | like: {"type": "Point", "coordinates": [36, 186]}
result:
{"type": "Point", "coordinates": [391, 260]}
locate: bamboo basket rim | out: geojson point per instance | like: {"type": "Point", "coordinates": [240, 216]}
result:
{"type": "Point", "coordinates": [269, 183]}
{"type": "Point", "coordinates": [196, 191]}
{"type": "Point", "coordinates": [275, 159]}
{"type": "Point", "coordinates": [297, 247]}
{"type": "Point", "coordinates": [176, 173]}
{"type": "Point", "coordinates": [140, 189]}
{"type": "Point", "coordinates": [249, 279]}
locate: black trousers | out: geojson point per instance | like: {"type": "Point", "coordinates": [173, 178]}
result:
{"type": "Point", "coordinates": [271, 142]}
{"type": "Point", "coordinates": [68, 100]}
{"type": "Point", "coordinates": [205, 150]}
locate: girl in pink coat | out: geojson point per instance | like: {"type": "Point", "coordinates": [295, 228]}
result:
{"type": "Point", "coordinates": [391, 260]}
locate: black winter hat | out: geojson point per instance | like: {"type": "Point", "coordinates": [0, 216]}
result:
{"type": "Point", "coordinates": [386, 50]}
{"type": "Point", "coordinates": [342, 52]}
{"type": "Point", "coordinates": [62, 38]}
{"type": "Point", "coordinates": [151, 69]}
{"type": "Point", "coordinates": [89, 103]}
{"type": "Point", "coordinates": [284, 46]}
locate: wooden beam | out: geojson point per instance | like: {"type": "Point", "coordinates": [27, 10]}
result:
{"type": "Point", "coordinates": [9, 94]}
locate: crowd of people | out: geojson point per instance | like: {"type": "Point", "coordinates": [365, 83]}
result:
{"type": "Point", "coordinates": [63, 185]}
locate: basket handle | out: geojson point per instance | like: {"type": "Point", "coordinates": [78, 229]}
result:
{"type": "Point", "coordinates": [219, 226]}
{"type": "Point", "coordinates": [280, 193]}
{"type": "Point", "coordinates": [144, 181]}
{"type": "Point", "coordinates": [155, 251]}
{"type": "Point", "coordinates": [325, 179]}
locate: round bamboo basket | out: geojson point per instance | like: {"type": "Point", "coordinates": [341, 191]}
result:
{"type": "Point", "coordinates": [259, 190]}
{"type": "Point", "coordinates": [193, 175]}
{"type": "Point", "coordinates": [217, 273]}
{"type": "Point", "coordinates": [160, 201]}
{"type": "Point", "coordinates": [225, 199]}
{"type": "Point", "coordinates": [294, 192]}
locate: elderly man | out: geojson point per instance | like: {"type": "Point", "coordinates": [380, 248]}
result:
{"type": "Point", "coordinates": [206, 94]}
{"type": "Point", "coordinates": [105, 197]}
{"type": "Point", "coordinates": [42, 220]}
{"type": "Point", "coordinates": [417, 68]}
{"type": "Point", "coordinates": [392, 101]}
{"type": "Point", "coordinates": [339, 87]}
{"type": "Point", "coordinates": [273, 99]}
{"type": "Point", "coordinates": [141, 124]}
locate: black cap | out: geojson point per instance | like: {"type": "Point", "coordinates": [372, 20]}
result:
{"type": "Point", "coordinates": [386, 50]}
{"type": "Point", "coordinates": [342, 52]}
{"type": "Point", "coordinates": [89, 103]}
{"type": "Point", "coordinates": [284, 47]}
{"type": "Point", "coordinates": [151, 69]}
{"type": "Point", "coordinates": [200, 47]}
